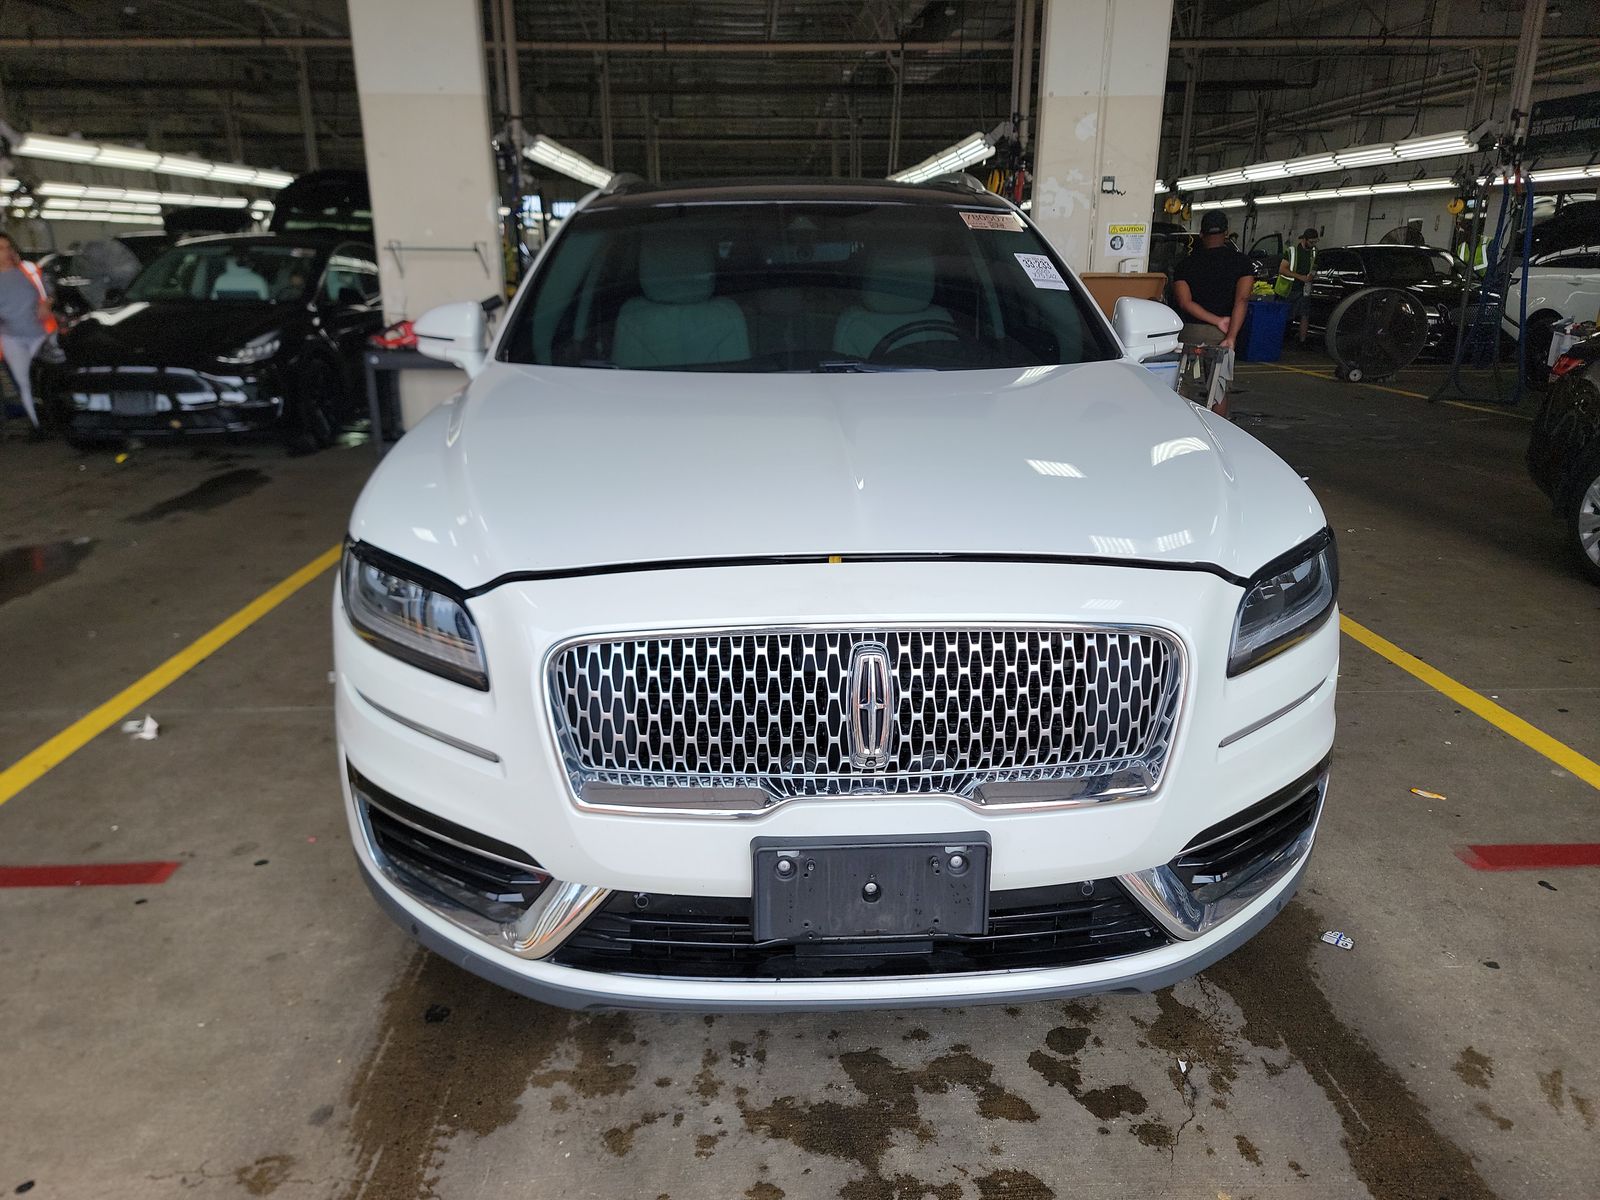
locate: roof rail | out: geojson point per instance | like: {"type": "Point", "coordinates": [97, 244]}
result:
{"type": "Point", "coordinates": [959, 180]}
{"type": "Point", "coordinates": [621, 183]}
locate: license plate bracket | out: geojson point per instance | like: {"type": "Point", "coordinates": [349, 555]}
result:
{"type": "Point", "coordinates": [869, 887]}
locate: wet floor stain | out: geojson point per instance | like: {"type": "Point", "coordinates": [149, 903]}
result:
{"type": "Point", "coordinates": [764, 1191]}
{"type": "Point", "coordinates": [899, 1187]}
{"type": "Point", "coordinates": [207, 495]}
{"type": "Point", "coordinates": [1474, 1069]}
{"type": "Point", "coordinates": [1012, 1185]}
{"type": "Point", "coordinates": [619, 1138]}
{"type": "Point", "coordinates": [1247, 1149]}
{"type": "Point", "coordinates": [25, 569]}
{"type": "Point", "coordinates": [1393, 1146]}
{"type": "Point", "coordinates": [861, 1131]}
{"type": "Point", "coordinates": [1488, 1112]}
{"type": "Point", "coordinates": [266, 1175]}
{"type": "Point", "coordinates": [423, 1084]}
{"type": "Point", "coordinates": [1067, 1042]}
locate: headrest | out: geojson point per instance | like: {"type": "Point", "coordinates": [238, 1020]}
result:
{"type": "Point", "coordinates": [676, 268]}
{"type": "Point", "coordinates": [899, 279]}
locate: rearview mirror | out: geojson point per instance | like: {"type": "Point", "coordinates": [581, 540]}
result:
{"type": "Point", "coordinates": [1146, 329]}
{"type": "Point", "coordinates": [455, 333]}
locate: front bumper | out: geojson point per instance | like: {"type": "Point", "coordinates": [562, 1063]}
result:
{"type": "Point", "coordinates": [485, 762]}
{"type": "Point", "coordinates": [148, 401]}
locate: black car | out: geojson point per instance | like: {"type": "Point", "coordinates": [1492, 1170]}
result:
{"type": "Point", "coordinates": [1564, 452]}
{"type": "Point", "coordinates": [1432, 275]}
{"type": "Point", "coordinates": [229, 333]}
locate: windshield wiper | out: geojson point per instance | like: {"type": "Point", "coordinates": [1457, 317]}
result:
{"type": "Point", "coordinates": [845, 366]}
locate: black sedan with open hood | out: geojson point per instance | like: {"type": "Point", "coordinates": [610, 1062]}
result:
{"type": "Point", "coordinates": [224, 334]}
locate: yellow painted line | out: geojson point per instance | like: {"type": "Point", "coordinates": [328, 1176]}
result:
{"type": "Point", "coordinates": [1562, 755]}
{"type": "Point", "coordinates": [1379, 387]}
{"type": "Point", "coordinates": [74, 737]}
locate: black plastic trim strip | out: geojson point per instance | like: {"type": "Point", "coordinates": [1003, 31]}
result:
{"type": "Point", "coordinates": [426, 822]}
{"type": "Point", "coordinates": [439, 583]}
{"type": "Point", "coordinates": [1258, 812]}
{"type": "Point", "coordinates": [802, 560]}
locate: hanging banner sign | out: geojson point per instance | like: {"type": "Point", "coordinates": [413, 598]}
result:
{"type": "Point", "coordinates": [1568, 123]}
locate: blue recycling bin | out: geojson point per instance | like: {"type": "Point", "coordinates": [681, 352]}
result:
{"type": "Point", "coordinates": [1264, 327]}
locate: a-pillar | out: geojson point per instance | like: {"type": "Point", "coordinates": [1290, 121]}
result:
{"type": "Point", "coordinates": [425, 125]}
{"type": "Point", "coordinates": [1103, 78]}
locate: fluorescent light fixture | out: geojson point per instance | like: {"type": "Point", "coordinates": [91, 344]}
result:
{"type": "Point", "coordinates": [134, 158]}
{"type": "Point", "coordinates": [36, 145]}
{"type": "Point", "coordinates": [173, 164]}
{"type": "Point", "coordinates": [1267, 170]}
{"type": "Point", "coordinates": [126, 156]}
{"type": "Point", "coordinates": [1365, 156]}
{"type": "Point", "coordinates": [553, 154]}
{"type": "Point", "coordinates": [1384, 189]}
{"type": "Point", "coordinates": [1161, 188]}
{"type": "Point", "coordinates": [955, 158]}
{"type": "Point", "coordinates": [118, 206]}
{"type": "Point", "coordinates": [54, 188]}
{"type": "Point", "coordinates": [1433, 145]}
{"type": "Point", "coordinates": [1313, 164]}
{"type": "Point", "coordinates": [229, 173]}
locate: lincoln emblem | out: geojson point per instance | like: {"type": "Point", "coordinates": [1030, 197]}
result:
{"type": "Point", "coordinates": [871, 703]}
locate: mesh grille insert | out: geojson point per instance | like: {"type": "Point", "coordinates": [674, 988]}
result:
{"type": "Point", "coordinates": [770, 709]}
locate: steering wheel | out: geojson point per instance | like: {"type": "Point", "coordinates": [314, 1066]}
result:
{"type": "Point", "coordinates": [905, 332]}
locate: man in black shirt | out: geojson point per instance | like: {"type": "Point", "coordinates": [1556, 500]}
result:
{"type": "Point", "coordinates": [1213, 286]}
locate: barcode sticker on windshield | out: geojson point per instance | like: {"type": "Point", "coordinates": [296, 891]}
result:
{"type": "Point", "coordinates": [1007, 221]}
{"type": "Point", "coordinates": [1042, 271]}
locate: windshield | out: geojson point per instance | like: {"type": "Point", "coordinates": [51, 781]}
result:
{"type": "Point", "coordinates": [1402, 265]}
{"type": "Point", "coordinates": [767, 287]}
{"type": "Point", "coordinates": [228, 273]}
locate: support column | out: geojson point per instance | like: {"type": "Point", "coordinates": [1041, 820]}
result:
{"type": "Point", "coordinates": [1103, 76]}
{"type": "Point", "coordinates": [425, 124]}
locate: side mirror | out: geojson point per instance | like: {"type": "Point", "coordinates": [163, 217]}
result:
{"type": "Point", "coordinates": [455, 333]}
{"type": "Point", "coordinates": [1147, 329]}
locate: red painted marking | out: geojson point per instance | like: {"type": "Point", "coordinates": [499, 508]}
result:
{"type": "Point", "coordinates": [87, 875]}
{"type": "Point", "coordinates": [1531, 856]}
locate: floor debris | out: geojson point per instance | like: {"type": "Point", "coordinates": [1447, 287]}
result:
{"type": "Point", "coordinates": [1427, 795]}
{"type": "Point", "coordinates": [1342, 940]}
{"type": "Point", "coordinates": [146, 730]}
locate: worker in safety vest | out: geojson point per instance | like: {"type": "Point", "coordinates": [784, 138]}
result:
{"type": "Point", "coordinates": [1294, 278]}
{"type": "Point", "coordinates": [1478, 261]}
{"type": "Point", "coordinates": [25, 320]}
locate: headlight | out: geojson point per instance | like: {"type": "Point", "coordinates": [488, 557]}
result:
{"type": "Point", "coordinates": [254, 351]}
{"type": "Point", "coordinates": [412, 619]}
{"type": "Point", "coordinates": [1286, 600]}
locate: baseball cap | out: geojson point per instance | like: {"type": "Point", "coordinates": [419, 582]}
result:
{"type": "Point", "coordinates": [1215, 221]}
{"type": "Point", "coordinates": [1310, 235]}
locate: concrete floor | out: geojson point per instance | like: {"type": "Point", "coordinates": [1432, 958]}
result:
{"type": "Point", "coordinates": [254, 1026]}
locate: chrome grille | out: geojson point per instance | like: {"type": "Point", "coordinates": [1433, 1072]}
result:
{"type": "Point", "coordinates": [767, 711]}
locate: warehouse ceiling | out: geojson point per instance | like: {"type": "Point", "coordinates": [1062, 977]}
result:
{"type": "Point", "coordinates": [739, 87]}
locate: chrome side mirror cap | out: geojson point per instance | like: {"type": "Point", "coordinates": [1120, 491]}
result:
{"type": "Point", "coordinates": [1146, 328]}
{"type": "Point", "coordinates": [456, 333]}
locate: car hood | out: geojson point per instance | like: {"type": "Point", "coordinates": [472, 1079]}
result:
{"type": "Point", "coordinates": [161, 332]}
{"type": "Point", "coordinates": [536, 469]}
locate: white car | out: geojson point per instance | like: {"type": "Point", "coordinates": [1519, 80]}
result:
{"type": "Point", "coordinates": [810, 602]}
{"type": "Point", "coordinates": [1561, 284]}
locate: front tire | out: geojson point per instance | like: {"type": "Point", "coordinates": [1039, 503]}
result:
{"type": "Point", "coordinates": [1583, 515]}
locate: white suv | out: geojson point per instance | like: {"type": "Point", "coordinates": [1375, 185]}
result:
{"type": "Point", "coordinates": [810, 603]}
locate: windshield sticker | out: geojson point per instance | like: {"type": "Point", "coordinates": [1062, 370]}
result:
{"type": "Point", "coordinates": [1010, 222]}
{"type": "Point", "coordinates": [1042, 271]}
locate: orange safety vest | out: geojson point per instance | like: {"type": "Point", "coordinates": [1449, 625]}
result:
{"type": "Point", "coordinates": [34, 277]}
